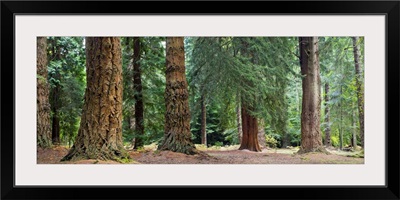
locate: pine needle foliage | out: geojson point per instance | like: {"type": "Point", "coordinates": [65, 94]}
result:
{"type": "Point", "coordinates": [254, 68]}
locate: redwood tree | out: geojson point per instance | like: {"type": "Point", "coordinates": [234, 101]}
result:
{"type": "Point", "coordinates": [100, 131]}
{"type": "Point", "coordinates": [249, 138]}
{"type": "Point", "coordinates": [177, 135]}
{"type": "Point", "coordinates": [360, 89]}
{"type": "Point", "coordinates": [250, 131]}
{"type": "Point", "coordinates": [311, 140]}
{"type": "Point", "coordinates": [138, 95]}
{"type": "Point", "coordinates": [42, 88]}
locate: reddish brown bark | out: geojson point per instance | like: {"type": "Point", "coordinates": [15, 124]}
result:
{"type": "Point", "coordinates": [177, 135]}
{"type": "Point", "coordinates": [100, 131]}
{"type": "Point", "coordinates": [360, 88]}
{"type": "Point", "coordinates": [311, 140]}
{"type": "Point", "coordinates": [250, 132]}
{"type": "Point", "coordinates": [42, 88]}
{"type": "Point", "coordinates": [138, 95]}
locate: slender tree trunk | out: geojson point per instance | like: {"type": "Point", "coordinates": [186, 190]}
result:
{"type": "Point", "coordinates": [55, 127]}
{"type": "Point", "coordinates": [328, 142]}
{"type": "Point", "coordinates": [55, 93]}
{"type": "Point", "coordinates": [311, 140]}
{"type": "Point", "coordinates": [177, 135]}
{"type": "Point", "coordinates": [239, 122]}
{"type": "Point", "coordinates": [203, 121]}
{"type": "Point", "coordinates": [42, 88]}
{"type": "Point", "coordinates": [100, 131]}
{"type": "Point", "coordinates": [138, 94]}
{"type": "Point", "coordinates": [360, 88]}
{"type": "Point", "coordinates": [341, 123]}
{"type": "Point", "coordinates": [285, 140]}
{"type": "Point", "coordinates": [131, 122]}
{"type": "Point", "coordinates": [250, 131]}
{"type": "Point", "coordinates": [55, 97]}
{"type": "Point", "coordinates": [261, 134]}
{"type": "Point", "coordinates": [283, 128]}
{"type": "Point", "coordinates": [354, 136]}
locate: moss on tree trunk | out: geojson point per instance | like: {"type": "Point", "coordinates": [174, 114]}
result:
{"type": "Point", "coordinates": [360, 88]}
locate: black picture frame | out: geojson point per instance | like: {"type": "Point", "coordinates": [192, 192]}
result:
{"type": "Point", "coordinates": [9, 9]}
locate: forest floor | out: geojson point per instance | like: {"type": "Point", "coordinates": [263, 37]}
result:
{"type": "Point", "coordinates": [214, 155]}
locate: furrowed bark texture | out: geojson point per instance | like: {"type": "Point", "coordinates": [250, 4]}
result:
{"type": "Point", "coordinates": [100, 131]}
{"type": "Point", "coordinates": [328, 142]}
{"type": "Point", "coordinates": [138, 95]}
{"type": "Point", "coordinates": [177, 135]}
{"type": "Point", "coordinates": [360, 89]}
{"type": "Point", "coordinates": [42, 88]}
{"type": "Point", "coordinates": [250, 132]}
{"type": "Point", "coordinates": [311, 140]}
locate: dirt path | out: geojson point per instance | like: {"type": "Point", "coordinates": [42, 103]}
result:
{"type": "Point", "coordinates": [213, 156]}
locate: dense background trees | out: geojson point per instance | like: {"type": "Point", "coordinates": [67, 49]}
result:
{"type": "Point", "coordinates": [255, 92]}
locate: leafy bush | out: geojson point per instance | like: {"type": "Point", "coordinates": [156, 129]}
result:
{"type": "Point", "coordinates": [218, 144]}
{"type": "Point", "coordinates": [335, 140]}
{"type": "Point", "coordinates": [270, 141]}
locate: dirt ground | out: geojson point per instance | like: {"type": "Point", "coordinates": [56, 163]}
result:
{"type": "Point", "coordinates": [220, 155]}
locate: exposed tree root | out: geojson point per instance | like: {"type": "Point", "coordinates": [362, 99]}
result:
{"type": "Point", "coordinates": [109, 154]}
{"type": "Point", "coordinates": [316, 150]}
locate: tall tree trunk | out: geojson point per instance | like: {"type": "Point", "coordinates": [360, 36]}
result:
{"type": "Point", "coordinates": [239, 122]}
{"type": "Point", "coordinates": [55, 93]}
{"type": "Point", "coordinates": [311, 140]}
{"type": "Point", "coordinates": [285, 140]}
{"type": "Point", "coordinates": [203, 121]}
{"type": "Point", "coordinates": [250, 131]}
{"type": "Point", "coordinates": [100, 131]}
{"type": "Point", "coordinates": [282, 127]}
{"type": "Point", "coordinates": [42, 88]}
{"type": "Point", "coordinates": [55, 133]}
{"type": "Point", "coordinates": [360, 88]}
{"type": "Point", "coordinates": [341, 122]}
{"type": "Point", "coordinates": [328, 142]}
{"type": "Point", "coordinates": [138, 95]}
{"type": "Point", "coordinates": [354, 136]}
{"type": "Point", "coordinates": [177, 135]}
{"type": "Point", "coordinates": [261, 134]}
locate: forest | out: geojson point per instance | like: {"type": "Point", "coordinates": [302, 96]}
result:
{"type": "Point", "coordinates": [200, 100]}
